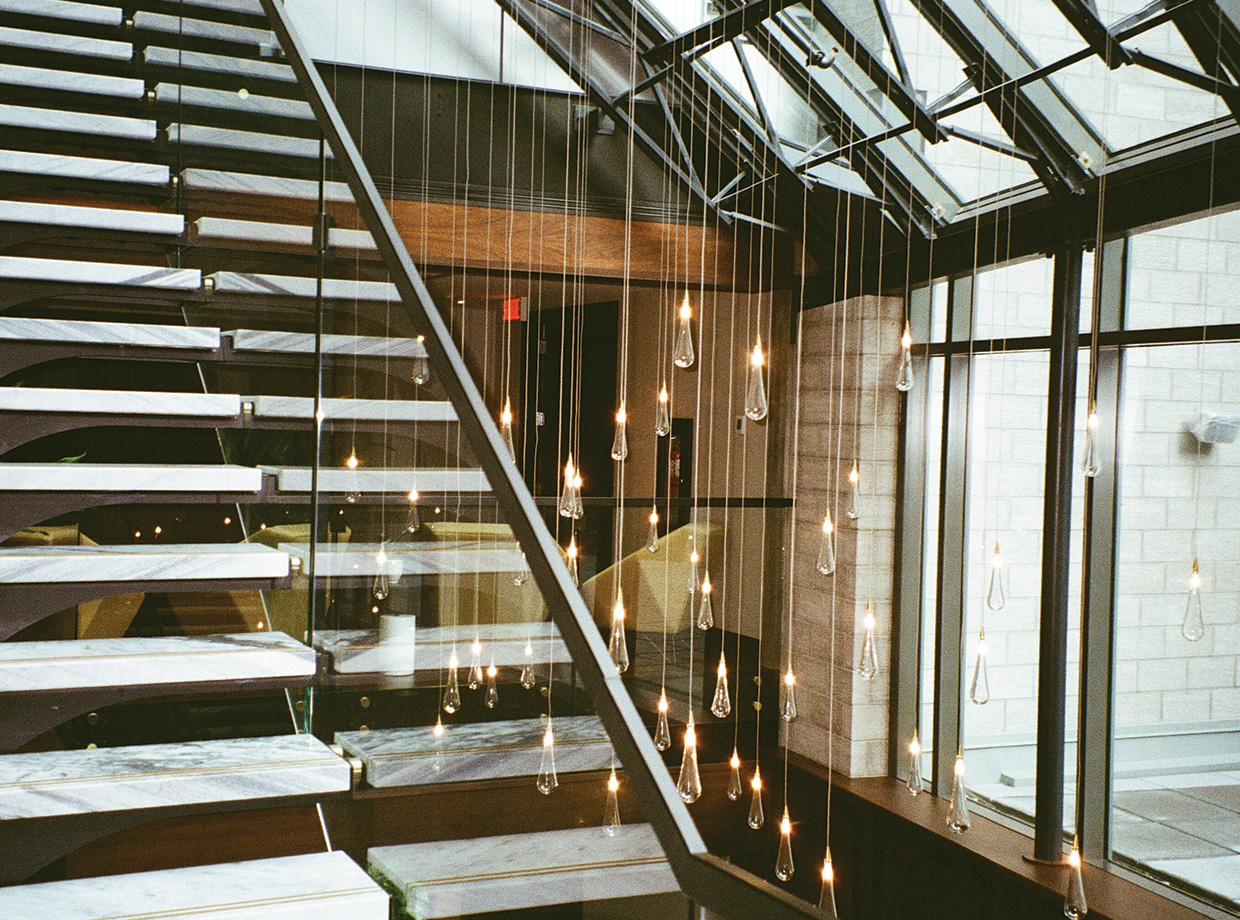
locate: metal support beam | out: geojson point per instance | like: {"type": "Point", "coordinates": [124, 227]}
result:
{"type": "Point", "coordinates": [771, 133]}
{"type": "Point", "coordinates": [1214, 39]}
{"type": "Point", "coordinates": [703, 877]}
{"type": "Point", "coordinates": [1056, 555]}
{"type": "Point", "coordinates": [1084, 18]}
{"type": "Point", "coordinates": [696, 42]}
{"type": "Point", "coordinates": [893, 42]}
{"type": "Point", "coordinates": [1005, 147]}
{"type": "Point", "coordinates": [1230, 94]}
{"type": "Point", "coordinates": [580, 20]}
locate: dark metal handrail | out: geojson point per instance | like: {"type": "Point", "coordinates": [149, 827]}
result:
{"type": "Point", "coordinates": [704, 878]}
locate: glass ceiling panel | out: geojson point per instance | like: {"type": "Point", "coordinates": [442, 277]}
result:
{"type": "Point", "coordinates": [975, 171]}
{"type": "Point", "coordinates": [1168, 43]}
{"type": "Point", "coordinates": [682, 15]}
{"type": "Point", "coordinates": [1039, 27]}
{"type": "Point", "coordinates": [933, 67]}
{"type": "Point", "coordinates": [1131, 105]}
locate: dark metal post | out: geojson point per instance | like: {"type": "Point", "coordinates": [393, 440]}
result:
{"type": "Point", "coordinates": [1056, 555]}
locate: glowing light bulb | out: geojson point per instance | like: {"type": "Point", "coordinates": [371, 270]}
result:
{"type": "Point", "coordinates": [783, 860]}
{"type": "Point", "coordinates": [352, 461]}
{"type": "Point", "coordinates": [547, 780]}
{"type": "Point", "coordinates": [826, 900]}
{"type": "Point", "coordinates": [826, 549]}
{"type": "Point", "coordinates": [756, 815]}
{"type": "Point", "coordinates": [904, 378]}
{"type": "Point", "coordinates": [868, 665]}
{"type": "Point", "coordinates": [652, 537]}
{"type": "Point", "coordinates": [492, 694]}
{"type": "Point", "coordinates": [979, 686]}
{"type": "Point", "coordinates": [734, 781]}
{"type": "Point", "coordinates": [788, 708]}
{"type": "Point", "coordinates": [618, 647]}
{"type": "Point", "coordinates": [620, 446]}
{"type": "Point", "coordinates": [995, 597]}
{"type": "Point", "coordinates": [382, 585]}
{"type": "Point", "coordinates": [353, 495]}
{"type": "Point", "coordinates": [1074, 905]}
{"type": "Point", "coordinates": [437, 734]}
{"type": "Point", "coordinates": [421, 366]}
{"type": "Point", "coordinates": [527, 669]}
{"type": "Point", "coordinates": [721, 706]}
{"type": "Point", "coordinates": [663, 417]}
{"type": "Point", "coordinates": [611, 814]}
{"type": "Point", "coordinates": [1090, 464]}
{"type": "Point", "coordinates": [689, 782]}
{"type": "Point", "coordinates": [452, 693]}
{"type": "Point", "coordinates": [756, 406]}
{"type": "Point", "coordinates": [958, 812]}
{"type": "Point", "coordinates": [854, 493]}
{"type": "Point", "coordinates": [914, 783]}
{"type": "Point", "coordinates": [570, 498]}
{"type": "Point", "coordinates": [572, 554]}
{"type": "Point", "coordinates": [1194, 625]}
{"type": "Point", "coordinates": [505, 429]}
{"type": "Point", "coordinates": [662, 733]}
{"type": "Point", "coordinates": [413, 523]}
{"type": "Point", "coordinates": [706, 609]}
{"type": "Point", "coordinates": [475, 663]}
{"type": "Point", "coordinates": [683, 355]}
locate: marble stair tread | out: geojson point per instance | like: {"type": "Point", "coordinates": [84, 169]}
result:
{"type": "Point", "coordinates": [450, 878]}
{"type": "Point", "coordinates": [308, 887]}
{"type": "Point", "coordinates": [114, 126]}
{"type": "Point", "coordinates": [58, 43]}
{"type": "Point", "coordinates": [122, 477]}
{"type": "Point", "coordinates": [372, 410]}
{"type": "Point", "coordinates": [226, 182]}
{"type": "Point", "coordinates": [253, 104]}
{"type": "Point", "coordinates": [233, 770]}
{"type": "Point", "coordinates": [163, 661]}
{"type": "Point", "coordinates": [218, 64]}
{"type": "Point", "coordinates": [425, 480]}
{"type": "Point", "coordinates": [119, 402]}
{"type": "Point", "coordinates": [141, 335]}
{"type": "Point", "coordinates": [232, 230]}
{"type": "Point", "coordinates": [146, 21]}
{"type": "Point", "coordinates": [60, 166]}
{"type": "Point", "coordinates": [302, 343]}
{"type": "Point", "coordinates": [302, 287]}
{"type": "Point", "coordinates": [361, 560]}
{"type": "Point", "coordinates": [476, 750]}
{"type": "Point", "coordinates": [91, 13]}
{"type": "Point", "coordinates": [66, 271]}
{"type": "Point", "coordinates": [241, 7]}
{"type": "Point", "coordinates": [86, 218]}
{"type": "Point", "coordinates": [172, 562]}
{"type": "Point", "coordinates": [359, 651]}
{"type": "Point", "coordinates": [244, 141]}
{"type": "Point", "coordinates": [67, 81]}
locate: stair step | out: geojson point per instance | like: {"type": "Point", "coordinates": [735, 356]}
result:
{"type": "Point", "coordinates": [359, 651]}
{"type": "Point", "coordinates": [235, 770]}
{"type": "Point", "coordinates": [121, 477]}
{"type": "Point", "coordinates": [113, 126]}
{"type": "Point", "coordinates": [206, 29]}
{"type": "Point", "coordinates": [214, 562]}
{"type": "Point", "coordinates": [58, 43]}
{"type": "Point", "coordinates": [303, 343]}
{"type": "Point", "coordinates": [111, 219]}
{"type": "Point", "coordinates": [59, 166]}
{"type": "Point", "coordinates": [228, 183]}
{"type": "Point", "coordinates": [119, 402]}
{"type": "Point", "coordinates": [91, 13]}
{"type": "Point", "coordinates": [360, 560]}
{"type": "Point", "coordinates": [67, 81]}
{"type": "Point", "coordinates": [251, 232]}
{"type": "Point", "coordinates": [250, 104]}
{"type": "Point", "coordinates": [242, 68]}
{"type": "Point", "coordinates": [301, 287]}
{"type": "Point", "coordinates": [64, 271]}
{"type": "Point", "coordinates": [337, 481]}
{"type": "Point", "coordinates": [139, 335]}
{"type": "Point", "coordinates": [245, 141]}
{"type": "Point", "coordinates": [476, 750]}
{"type": "Point", "coordinates": [171, 662]}
{"type": "Point", "coordinates": [449, 878]}
{"type": "Point", "coordinates": [372, 410]}
{"type": "Point", "coordinates": [241, 7]}
{"type": "Point", "coordinates": [286, 888]}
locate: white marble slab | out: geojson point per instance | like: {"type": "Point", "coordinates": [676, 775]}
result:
{"type": "Point", "coordinates": [335, 480]}
{"type": "Point", "coordinates": [31, 118]}
{"type": "Point", "coordinates": [69, 82]}
{"type": "Point", "coordinates": [219, 63]}
{"type": "Point", "coordinates": [247, 141]}
{"type": "Point", "coordinates": [216, 562]}
{"type": "Point", "coordinates": [302, 343]}
{"type": "Point", "coordinates": [423, 559]}
{"type": "Point", "coordinates": [123, 477]}
{"type": "Point", "coordinates": [90, 168]}
{"type": "Point", "coordinates": [66, 271]}
{"type": "Point", "coordinates": [449, 878]}
{"type": "Point", "coordinates": [358, 651]}
{"type": "Point", "coordinates": [235, 183]}
{"type": "Point", "coordinates": [245, 7]}
{"type": "Point", "coordinates": [60, 43]}
{"type": "Point", "coordinates": [204, 97]}
{"type": "Point", "coordinates": [119, 402]}
{"type": "Point", "coordinates": [304, 286]}
{"type": "Point", "coordinates": [95, 14]}
{"type": "Point", "coordinates": [216, 229]}
{"type": "Point", "coordinates": [373, 410]}
{"type": "Point", "coordinates": [145, 21]}
{"type": "Point", "coordinates": [78, 782]}
{"type": "Point", "coordinates": [144, 335]}
{"type": "Point", "coordinates": [476, 750]}
{"type": "Point", "coordinates": [59, 215]}
{"type": "Point", "coordinates": [311, 887]}
{"type": "Point", "coordinates": [84, 664]}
